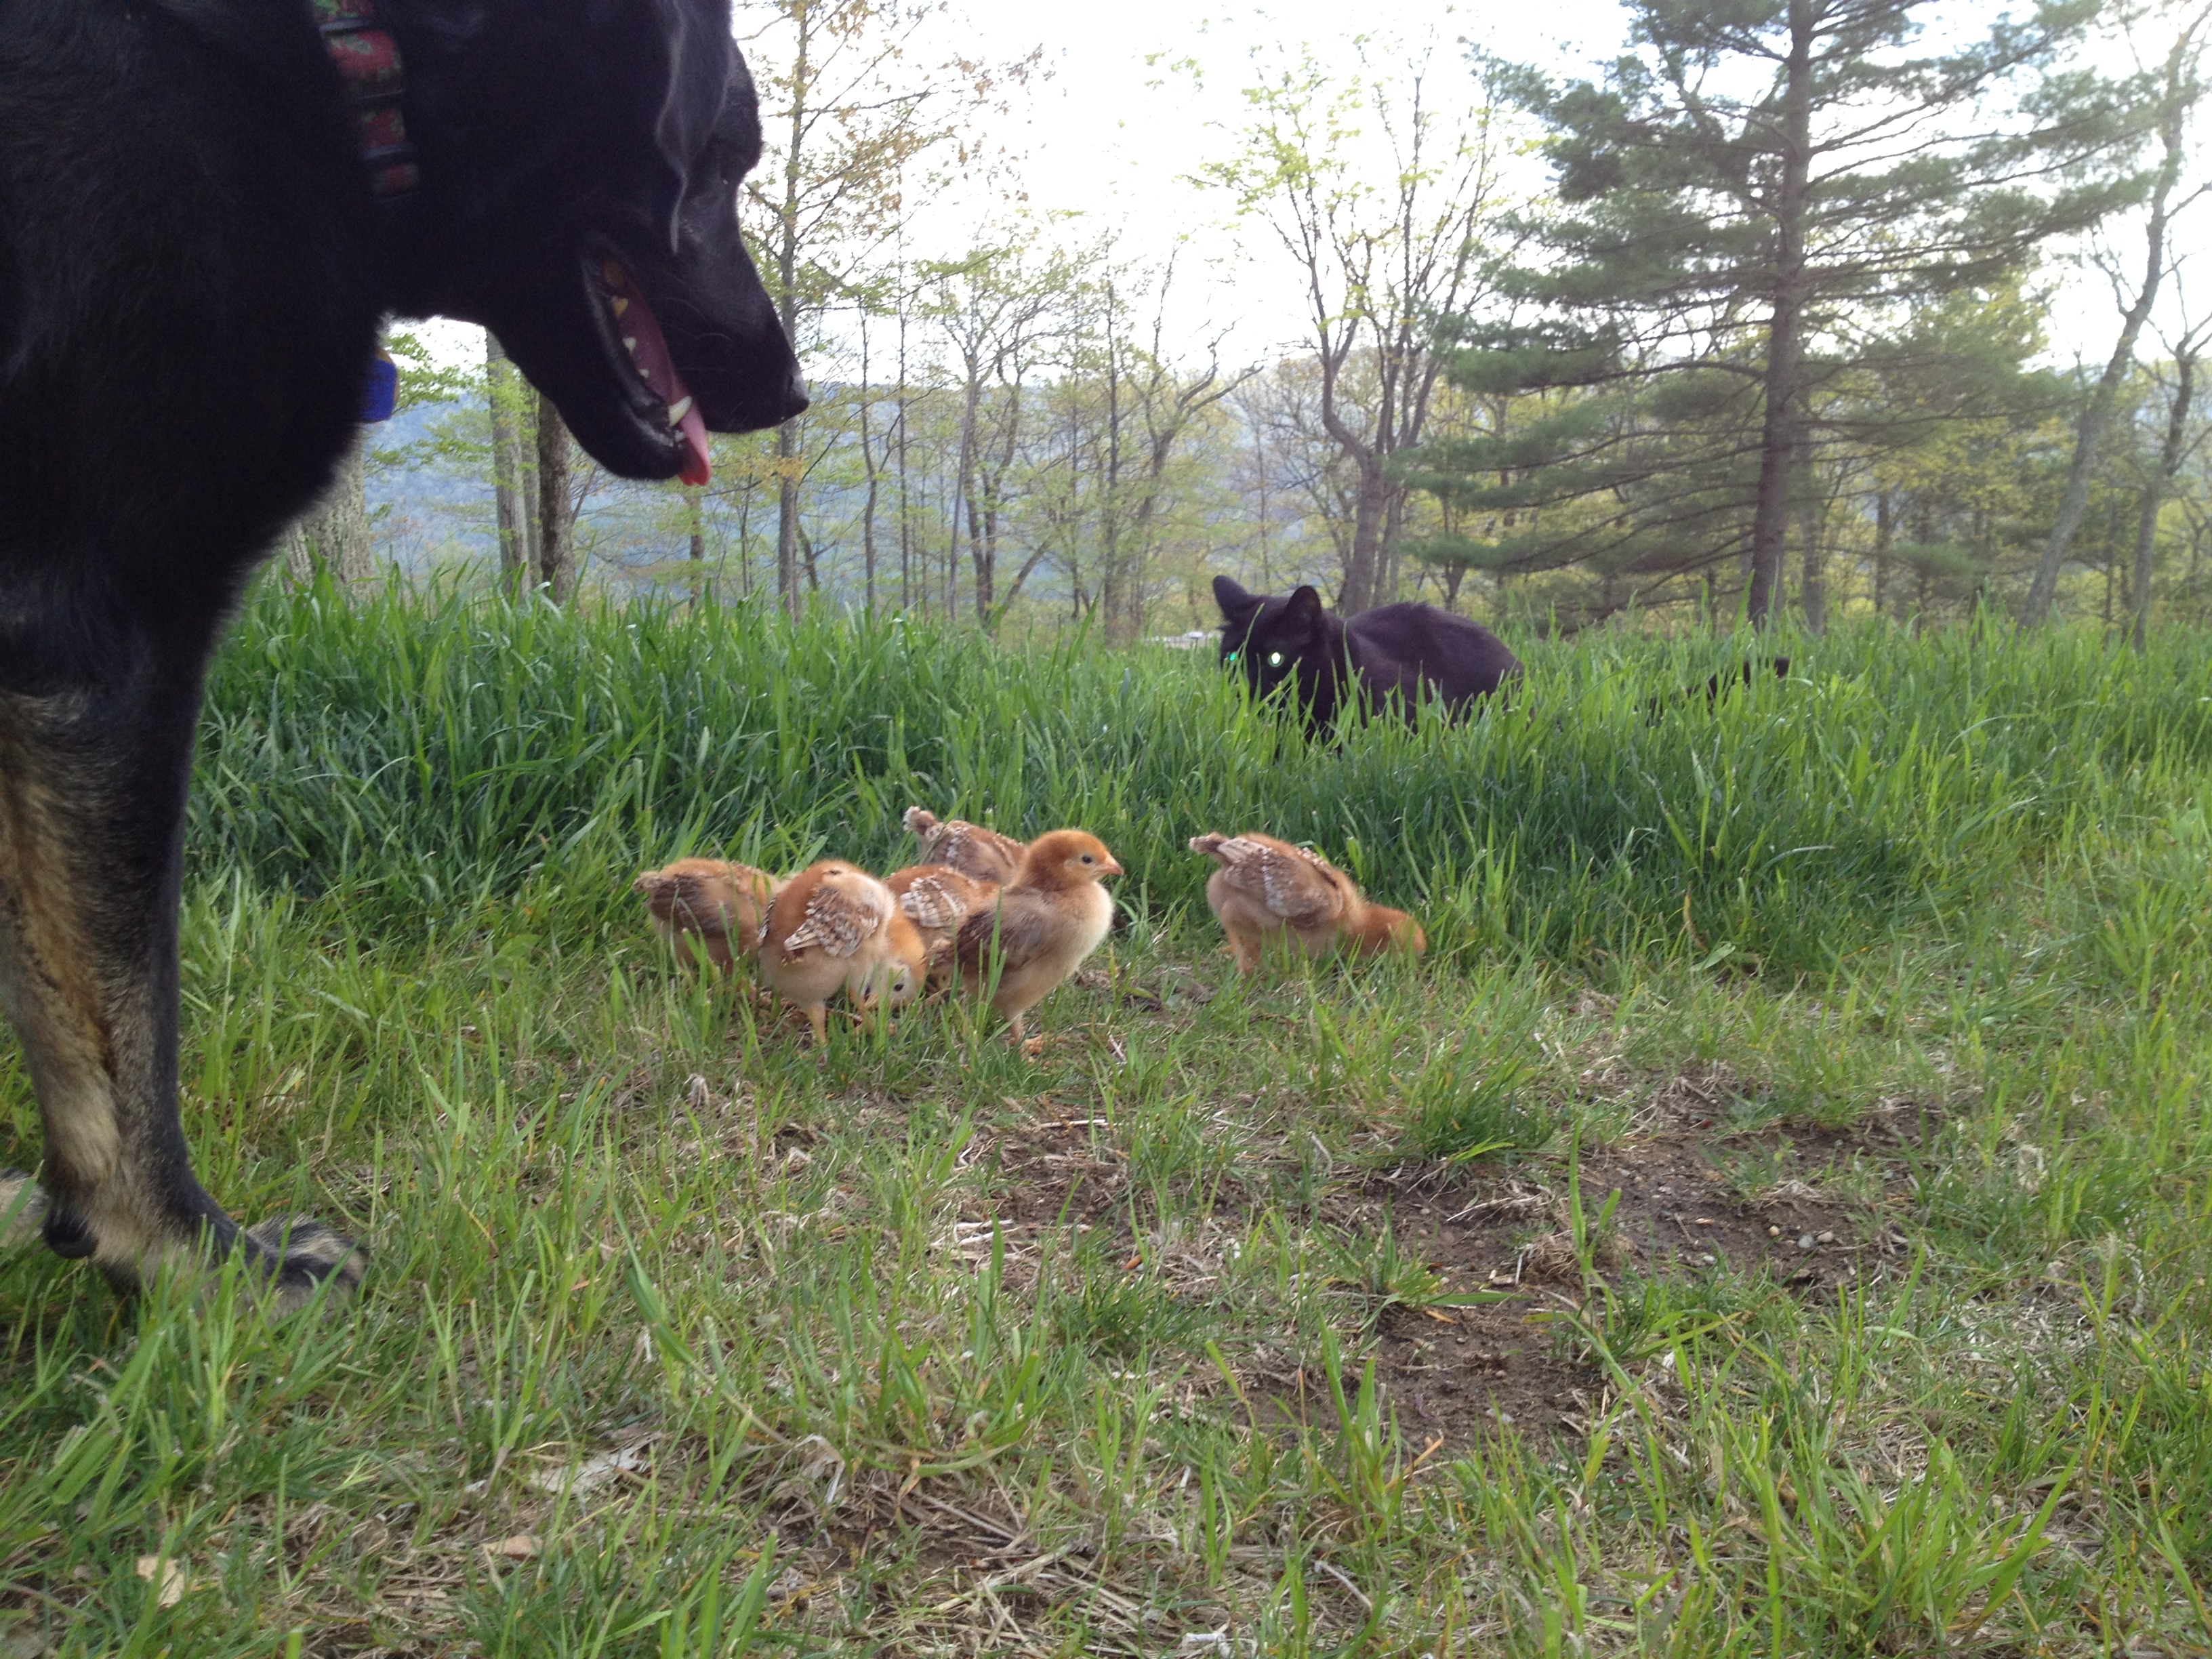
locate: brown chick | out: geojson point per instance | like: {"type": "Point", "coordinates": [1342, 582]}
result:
{"type": "Point", "coordinates": [1267, 889]}
{"type": "Point", "coordinates": [970, 848]}
{"type": "Point", "coordinates": [938, 898]}
{"type": "Point", "coordinates": [720, 905]}
{"type": "Point", "coordinates": [828, 930]}
{"type": "Point", "coordinates": [1050, 917]}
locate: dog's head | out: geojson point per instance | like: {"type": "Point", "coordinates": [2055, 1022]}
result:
{"type": "Point", "coordinates": [1269, 640]}
{"type": "Point", "coordinates": [580, 164]}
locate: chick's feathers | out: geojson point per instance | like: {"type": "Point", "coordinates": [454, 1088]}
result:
{"type": "Point", "coordinates": [1267, 889]}
{"type": "Point", "coordinates": [723, 905]}
{"type": "Point", "coordinates": [1022, 927]}
{"type": "Point", "coordinates": [842, 914]}
{"type": "Point", "coordinates": [968, 847]}
{"type": "Point", "coordinates": [938, 896]}
{"type": "Point", "coordinates": [1303, 888]}
{"type": "Point", "coordinates": [829, 930]}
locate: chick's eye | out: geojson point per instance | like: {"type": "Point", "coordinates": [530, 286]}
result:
{"type": "Point", "coordinates": [1087, 858]}
{"type": "Point", "coordinates": [1274, 660]}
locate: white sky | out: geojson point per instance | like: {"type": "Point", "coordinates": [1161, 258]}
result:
{"type": "Point", "coordinates": [1104, 136]}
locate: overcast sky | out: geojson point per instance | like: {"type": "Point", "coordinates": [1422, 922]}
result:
{"type": "Point", "coordinates": [1105, 138]}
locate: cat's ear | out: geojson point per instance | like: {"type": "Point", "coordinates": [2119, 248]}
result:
{"type": "Point", "coordinates": [1303, 608]}
{"type": "Point", "coordinates": [1236, 604]}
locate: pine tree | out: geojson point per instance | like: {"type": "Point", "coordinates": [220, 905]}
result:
{"type": "Point", "coordinates": [1752, 197]}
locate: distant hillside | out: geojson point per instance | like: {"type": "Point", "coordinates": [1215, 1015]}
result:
{"type": "Point", "coordinates": [430, 497]}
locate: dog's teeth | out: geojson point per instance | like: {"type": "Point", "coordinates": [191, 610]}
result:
{"type": "Point", "coordinates": [619, 304]}
{"type": "Point", "coordinates": [678, 410]}
{"type": "Point", "coordinates": [629, 344]}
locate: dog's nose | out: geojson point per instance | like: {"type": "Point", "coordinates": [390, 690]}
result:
{"type": "Point", "coordinates": [795, 400]}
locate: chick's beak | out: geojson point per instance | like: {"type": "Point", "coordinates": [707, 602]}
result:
{"type": "Point", "coordinates": [1110, 868]}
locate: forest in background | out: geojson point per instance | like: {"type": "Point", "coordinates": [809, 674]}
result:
{"type": "Point", "coordinates": [1753, 321]}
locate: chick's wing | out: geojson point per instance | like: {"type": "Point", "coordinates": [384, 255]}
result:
{"type": "Point", "coordinates": [840, 919]}
{"type": "Point", "coordinates": [1292, 885]}
{"type": "Point", "coordinates": [943, 901]}
{"type": "Point", "coordinates": [1023, 923]}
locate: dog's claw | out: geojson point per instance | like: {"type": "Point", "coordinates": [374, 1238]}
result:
{"type": "Point", "coordinates": [303, 1253]}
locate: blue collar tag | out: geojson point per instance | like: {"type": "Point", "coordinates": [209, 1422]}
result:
{"type": "Point", "coordinates": [380, 396]}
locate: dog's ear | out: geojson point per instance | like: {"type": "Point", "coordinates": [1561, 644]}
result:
{"type": "Point", "coordinates": [1231, 596]}
{"type": "Point", "coordinates": [683, 95]}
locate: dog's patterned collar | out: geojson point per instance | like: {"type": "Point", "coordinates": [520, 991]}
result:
{"type": "Point", "coordinates": [367, 59]}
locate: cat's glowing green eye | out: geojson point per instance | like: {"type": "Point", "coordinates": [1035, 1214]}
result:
{"type": "Point", "coordinates": [1234, 655]}
{"type": "Point", "coordinates": [1274, 660]}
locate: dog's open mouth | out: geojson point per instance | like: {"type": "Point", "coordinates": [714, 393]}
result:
{"type": "Point", "coordinates": [659, 401]}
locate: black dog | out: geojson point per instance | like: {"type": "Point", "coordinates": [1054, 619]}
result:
{"type": "Point", "coordinates": [205, 208]}
{"type": "Point", "coordinates": [1414, 650]}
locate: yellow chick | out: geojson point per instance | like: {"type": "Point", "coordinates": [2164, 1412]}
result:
{"type": "Point", "coordinates": [829, 930]}
{"type": "Point", "coordinates": [1268, 889]}
{"type": "Point", "coordinates": [1051, 915]}
{"type": "Point", "coordinates": [721, 906]}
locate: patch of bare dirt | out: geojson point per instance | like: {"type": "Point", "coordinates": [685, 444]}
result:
{"type": "Point", "coordinates": [1052, 1169]}
{"type": "Point", "coordinates": [1684, 1209]}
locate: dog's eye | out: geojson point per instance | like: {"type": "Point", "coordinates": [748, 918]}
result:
{"type": "Point", "coordinates": [1274, 660]}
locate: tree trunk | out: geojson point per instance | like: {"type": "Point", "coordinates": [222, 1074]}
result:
{"type": "Point", "coordinates": [2097, 413]}
{"type": "Point", "coordinates": [299, 558]}
{"type": "Point", "coordinates": [963, 494]}
{"type": "Point", "coordinates": [506, 463]}
{"type": "Point", "coordinates": [786, 304]}
{"type": "Point", "coordinates": [786, 517]}
{"type": "Point", "coordinates": [1782, 442]}
{"type": "Point", "coordinates": [556, 564]}
{"type": "Point", "coordinates": [867, 465]}
{"type": "Point", "coordinates": [1113, 579]}
{"type": "Point", "coordinates": [2169, 463]}
{"type": "Point", "coordinates": [1885, 531]}
{"type": "Point", "coordinates": [1808, 532]}
{"type": "Point", "coordinates": [905, 521]}
{"type": "Point", "coordinates": [532, 504]}
{"type": "Point", "coordinates": [333, 534]}
{"type": "Point", "coordinates": [1362, 573]}
{"type": "Point", "coordinates": [695, 507]}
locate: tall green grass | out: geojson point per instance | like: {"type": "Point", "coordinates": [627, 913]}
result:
{"type": "Point", "coordinates": [417, 755]}
{"type": "Point", "coordinates": [919, 1344]}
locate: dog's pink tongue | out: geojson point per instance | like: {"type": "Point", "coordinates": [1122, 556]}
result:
{"type": "Point", "coordinates": [649, 349]}
{"type": "Point", "coordinates": [696, 470]}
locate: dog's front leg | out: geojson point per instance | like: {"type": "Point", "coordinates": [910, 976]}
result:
{"type": "Point", "coordinates": [93, 776]}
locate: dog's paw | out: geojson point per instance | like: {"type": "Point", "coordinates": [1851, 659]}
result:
{"type": "Point", "coordinates": [302, 1252]}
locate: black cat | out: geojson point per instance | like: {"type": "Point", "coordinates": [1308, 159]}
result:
{"type": "Point", "coordinates": [1415, 650]}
